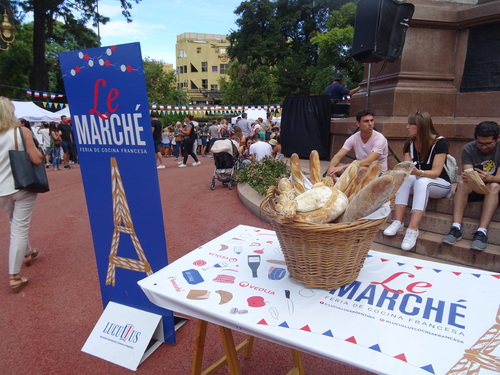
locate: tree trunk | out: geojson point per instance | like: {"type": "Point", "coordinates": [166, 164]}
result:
{"type": "Point", "coordinates": [39, 77]}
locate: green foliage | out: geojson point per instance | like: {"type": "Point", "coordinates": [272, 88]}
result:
{"type": "Point", "coordinates": [335, 50]}
{"type": "Point", "coordinates": [263, 174]}
{"type": "Point", "coordinates": [280, 49]}
{"type": "Point", "coordinates": [160, 83]}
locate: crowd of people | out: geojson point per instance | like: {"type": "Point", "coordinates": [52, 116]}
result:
{"type": "Point", "coordinates": [257, 139]}
{"type": "Point", "coordinates": [425, 148]}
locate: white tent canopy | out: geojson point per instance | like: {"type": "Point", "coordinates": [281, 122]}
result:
{"type": "Point", "coordinates": [31, 112]}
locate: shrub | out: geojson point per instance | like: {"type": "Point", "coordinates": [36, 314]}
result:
{"type": "Point", "coordinates": [263, 174]}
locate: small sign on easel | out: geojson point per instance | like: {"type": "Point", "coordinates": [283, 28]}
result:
{"type": "Point", "coordinates": [123, 335]}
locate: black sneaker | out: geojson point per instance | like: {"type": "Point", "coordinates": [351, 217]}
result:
{"type": "Point", "coordinates": [479, 241]}
{"type": "Point", "coordinates": [453, 236]}
{"type": "Point", "coordinates": [67, 167]}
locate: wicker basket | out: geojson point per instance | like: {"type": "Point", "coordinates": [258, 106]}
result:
{"type": "Point", "coordinates": [325, 256]}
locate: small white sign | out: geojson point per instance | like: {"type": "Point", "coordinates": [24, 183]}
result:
{"type": "Point", "coordinates": [122, 335]}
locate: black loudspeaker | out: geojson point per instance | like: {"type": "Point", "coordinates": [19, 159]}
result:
{"type": "Point", "coordinates": [380, 30]}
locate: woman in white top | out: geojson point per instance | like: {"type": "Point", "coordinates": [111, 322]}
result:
{"type": "Point", "coordinates": [17, 204]}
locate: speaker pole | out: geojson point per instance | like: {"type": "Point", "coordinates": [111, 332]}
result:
{"type": "Point", "coordinates": [367, 101]}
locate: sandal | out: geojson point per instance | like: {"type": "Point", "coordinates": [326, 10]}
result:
{"type": "Point", "coordinates": [28, 258]}
{"type": "Point", "coordinates": [17, 283]}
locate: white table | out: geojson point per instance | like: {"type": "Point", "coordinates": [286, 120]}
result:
{"type": "Point", "coordinates": [396, 318]}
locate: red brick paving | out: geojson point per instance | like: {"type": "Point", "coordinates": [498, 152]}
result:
{"type": "Point", "coordinates": [43, 329]}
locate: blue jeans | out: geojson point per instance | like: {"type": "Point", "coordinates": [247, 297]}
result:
{"type": "Point", "coordinates": [56, 157]}
{"type": "Point", "coordinates": [177, 147]}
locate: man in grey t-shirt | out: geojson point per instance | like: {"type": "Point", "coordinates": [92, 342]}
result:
{"type": "Point", "coordinates": [483, 155]}
{"type": "Point", "coordinates": [244, 125]}
{"type": "Point", "coordinates": [214, 132]}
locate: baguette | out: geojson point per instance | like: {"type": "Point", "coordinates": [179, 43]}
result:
{"type": "Point", "coordinates": [356, 183]}
{"type": "Point", "coordinates": [314, 167]}
{"type": "Point", "coordinates": [372, 173]}
{"type": "Point", "coordinates": [284, 184]}
{"type": "Point", "coordinates": [400, 176]}
{"type": "Point", "coordinates": [405, 166]}
{"type": "Point", "coordinates": [297, 176]}
{"type": "Point", "coordinates": [313, 199]}
{"type": "Point", "coordinates": [335, 206]}
{"type": "Point", "coordinates": [369, 199]}
{"type": "Point", "coordinates": [345, 178]}
{"type": "Point", "coordinates": [328, 181]}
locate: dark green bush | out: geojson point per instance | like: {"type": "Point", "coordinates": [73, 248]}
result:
{"type": "Point", "coordinates": [263, 174]}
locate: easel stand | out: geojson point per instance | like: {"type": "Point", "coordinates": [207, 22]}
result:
{"type": "Point", "coordinates": [232, 351]}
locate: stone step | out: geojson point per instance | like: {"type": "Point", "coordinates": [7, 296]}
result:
{"type": "Point", "coordinates": [445, 206]}
{"type": "Point", "coordinates": [440, 223]}
{"type": "Point", "coordinates": [429, 244]}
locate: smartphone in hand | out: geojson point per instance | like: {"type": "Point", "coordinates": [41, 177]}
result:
{"type": "Point", "coordinates": [479, 166]}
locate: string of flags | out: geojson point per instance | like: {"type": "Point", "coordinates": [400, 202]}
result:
{"type": "Point", "coordinates": [43, 94]}
{"type": "Point", "coordinates": [212, 110]}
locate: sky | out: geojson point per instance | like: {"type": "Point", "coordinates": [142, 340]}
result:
{"type": "Point", "coordinates": [156, 23]}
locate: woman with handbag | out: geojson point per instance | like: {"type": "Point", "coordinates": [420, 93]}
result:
{"type": "Point", "coordinates": [56, 141]}
{"type": "Point", "coordinates": [17, 204]}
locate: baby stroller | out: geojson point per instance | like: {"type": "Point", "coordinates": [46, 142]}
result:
{"type": "Point", "coordinates": [226, 158]}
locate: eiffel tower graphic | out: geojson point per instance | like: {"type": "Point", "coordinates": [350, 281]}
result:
{"type": "Point", "coordinates": [479, 355]}
{"type": "Point", "coordinates": [123, 224]}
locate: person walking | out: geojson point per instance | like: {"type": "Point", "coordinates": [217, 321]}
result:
{"type": "Point", "coordinates": [189, 134]}
{"type": "Point", "coordinates": [17, 204]}
{"type": "Point", "coordinates": [56, 142]}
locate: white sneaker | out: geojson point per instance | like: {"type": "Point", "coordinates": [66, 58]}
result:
{"type": "Point", "coordinates": [179, 162]}
{"type": "Point", "coordinates": [410, 239]}
{"type": "Point", "coordinates": [196, 163]}
{"type": "Point", "coordinates": [182, 165]}
{"type": "Point", "coordinates": [394, 228]}
{"type": "Point", "coordinates": [161, 166]}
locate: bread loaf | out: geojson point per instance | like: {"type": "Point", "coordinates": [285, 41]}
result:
{"type": "Point", "coordinates": [345, 178]}
{"type": "Point", "coordinates": [369, 199]}
{"type": "Point", "coordinates": [405, 166]}
{"type": "Point", "coordinates": [284, 184]}
{"type": "Point", "coordinates": [328, 181]}
{"type": "Point", "coordinates": [356, 183]}
{"type": "Point", "coordinates": [314, 167]}
{"type": "Point", "coordinates": [372, 173]}
{"type": "Point", "coordinates": [400, 176]}
{"type": "Point", "coordinates": [335, 206]}
{"type": "Point", "coordinates": [313, 199]}
{"type": "Point", "coordinates": [297, 176]}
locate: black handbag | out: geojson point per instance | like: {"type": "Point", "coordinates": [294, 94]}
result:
{"type": "Point", "coordinates": [27, 176]}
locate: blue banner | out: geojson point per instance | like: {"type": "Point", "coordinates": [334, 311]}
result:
{"type": "Point", "coordinates": [111, 124]}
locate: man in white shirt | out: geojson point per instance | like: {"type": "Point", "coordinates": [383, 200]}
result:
{"type": "Point", "coordinates": [368, 144]}
{"type": "Point", "coordinates": [259, 149]}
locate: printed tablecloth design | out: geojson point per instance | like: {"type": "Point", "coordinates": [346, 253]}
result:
{"type": "Point", "coordinates": [402, 315]}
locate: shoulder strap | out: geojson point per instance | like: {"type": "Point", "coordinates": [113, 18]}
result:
{"type": "Point", "coordinates": [432, 148]}
{"type": "Point", "coordinates": [22, 139]}
{"type": "Point", "coordinates": [411, 150]}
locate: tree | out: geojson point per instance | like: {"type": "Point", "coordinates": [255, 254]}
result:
{"type": "Point", "coordinates": [161, 84]}
{"type": "Point", "coordinates": [335, 50]}
{"type": "Point", "coordinates": [274, 43]}
{"type": "Point", "coordinates": [45, 13]}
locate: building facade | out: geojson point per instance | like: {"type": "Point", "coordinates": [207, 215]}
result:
{"type": "Point", "coordinates": [201, 59]}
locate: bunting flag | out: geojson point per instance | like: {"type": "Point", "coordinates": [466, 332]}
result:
{"type": "Point", "coordinates": [43, 94]}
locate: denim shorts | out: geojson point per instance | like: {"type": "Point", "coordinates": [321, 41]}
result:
{"type": "Point", "coordinates": [66, 145]}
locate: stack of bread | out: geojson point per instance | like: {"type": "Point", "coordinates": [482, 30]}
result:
{"type": "Point", "coordinates": [357, 193]}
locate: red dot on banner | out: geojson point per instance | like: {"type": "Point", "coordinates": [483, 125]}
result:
{"type": "Point", "coordinates": [107, 63]}
{"type": "Point", "coordinates": [113, 48]}
{"type": "Point", "coordinates": [86, 56]}
{"type": "Point", "coordinates": [77, 69]}
{"type": "Point", "coordinates": [129, 68]}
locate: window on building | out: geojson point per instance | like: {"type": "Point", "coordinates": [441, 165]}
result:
{"type": "Point", "coordinates": [216, 50]}
{"type": "Point", "coordinates": [198, 49]}
{"type": "Point", "coordinates": [193, 69]}
{"type": "Point", "coordinates": [204, 84]}
{"type": "Point", "coordinates": [222, 50]}
{"type": "Point", "coordinates": [214, 87]}
{"type": "Point", "coordinates": [223, 68]}
{"type": "Point", "coordinates": [185, 83]}
{"type": "Point", "coordinates": [204, 66]}
{"type": "Point", "coordinates": [182, 53]}
{"type": "Point", "coordinates": [215, 68]}
{"type": "Point", "coordinates": [193, 86]}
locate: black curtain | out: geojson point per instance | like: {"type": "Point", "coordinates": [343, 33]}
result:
{"type": "Point", "coordinates": [305, 126]}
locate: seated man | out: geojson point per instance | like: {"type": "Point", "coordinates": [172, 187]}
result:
{"type": "Point", "coordinates": [368, 145]}
{"type": "Point", "coordinates": [259, 149]}
{"type": "Point", "coordinates": [483, 155]}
